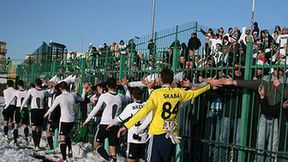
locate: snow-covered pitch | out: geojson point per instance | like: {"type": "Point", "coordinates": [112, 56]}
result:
{"type": "Point", "coordinates": [82, 152]}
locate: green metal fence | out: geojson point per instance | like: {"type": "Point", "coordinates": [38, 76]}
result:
{"type": "Point", "coordinates": [221, 125]}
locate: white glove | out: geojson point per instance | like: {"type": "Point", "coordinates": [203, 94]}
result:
{"type": "Point", "coordinates": [170, 127]}
{"type": "Point", "coordinates": [174, 138]}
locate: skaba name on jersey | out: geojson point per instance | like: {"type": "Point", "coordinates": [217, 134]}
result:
{"type": "Point", "coordinates": [175, 95]}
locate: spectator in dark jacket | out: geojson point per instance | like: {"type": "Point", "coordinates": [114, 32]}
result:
{"type": "Point", "coordinates": [194, 42]}
{"type": "Point", "coordinates": [152, 47]}
{"type": "Point", "coordinates": [176, 44]}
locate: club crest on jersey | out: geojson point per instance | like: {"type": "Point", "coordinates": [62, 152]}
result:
{"type": "Point", "coordinates": [175, 95]}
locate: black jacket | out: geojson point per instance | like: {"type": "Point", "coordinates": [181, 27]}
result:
{"type": "Point", "coordinates": [194, 43]}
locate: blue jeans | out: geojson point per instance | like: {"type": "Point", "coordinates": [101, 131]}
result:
{"type": "Point", "coordinates": [210, 117]}
{"type": "Point", "coordinates": [267, 131]}
{"type": "Point", "coordinates": [221, 154]}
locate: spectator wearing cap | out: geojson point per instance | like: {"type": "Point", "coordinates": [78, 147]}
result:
{"type": "Point", "coordinates": [194, 43]}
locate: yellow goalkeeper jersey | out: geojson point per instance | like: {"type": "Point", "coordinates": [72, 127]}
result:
{"type": "Point", "coordinates": [164, 102]}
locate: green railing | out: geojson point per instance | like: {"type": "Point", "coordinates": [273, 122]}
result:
{"type": "Point", "coordinates": [224, 135]}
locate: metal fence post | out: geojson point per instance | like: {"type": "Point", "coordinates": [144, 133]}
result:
{"type": "Point", "coordinates": [122, 64]}
{"type": "Point", "coordinates": [246, 99]}
{"type": "Point", "coordinates": [176, 50]}
{"type": "Point", "coordinates": [83, 66]}
{"type": "Point", "coordinates": [33, 73]}
{"type": "Point", "coordinates": [53, 68]}
{"type": "Point", "coordinates": [175, 53]}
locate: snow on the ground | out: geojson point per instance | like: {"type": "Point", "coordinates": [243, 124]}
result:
{"type": "Point", "coordinates": [82, 152]}
{"type": "Point", "coordinates": [9, 153]}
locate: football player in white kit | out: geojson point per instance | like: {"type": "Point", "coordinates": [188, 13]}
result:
{"type": "Point", "coordinates": [54, 117]}
{"type": "Point", "coordinates": [67, 106]}
{"type": "Point", "coordinates": [37, 110]}
{"type": "Point", "coordinates": [138, 134]}
{"type": "Point", "coordinates": [19, 96]}
{"type": "Point", "coordinates": [8, 112]}
{"type": "Point", "coordinates": [110, 102]}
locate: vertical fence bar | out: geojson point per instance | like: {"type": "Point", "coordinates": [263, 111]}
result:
{"type": "Point", "coordinates": [83, 66]}
{"type": "Point", "coordinates": [246, 99]}
{"type": "Point", "coordinates": [179, 147]}
{"type": "Point", "coordinates": [175, 53]}
{"type": "Point", "coordinates": [53, 68]}
{"type": "Point", "coordinates": [122, 64]}
{"type": "Point", "coordinates": [32, 73]}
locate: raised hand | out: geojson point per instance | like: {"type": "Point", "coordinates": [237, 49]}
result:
{"type": "Point", "coordinates": [215, 82]}
{"type": "Point", "coordinates": [228, 81]}
{"type": "Point", "coordinates": [124, 81]}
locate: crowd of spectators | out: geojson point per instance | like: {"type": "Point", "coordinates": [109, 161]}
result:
{"type": "Point", "coordinates": [221, 49]}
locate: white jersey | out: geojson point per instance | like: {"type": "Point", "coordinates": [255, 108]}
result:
{"type": "Point", "coordinates": [140, 127]}
{"type": "Point", "coordinates": [110, 103]}
{"type": "Point", "coordinates": [19, 96]}
{"type": "Point", "coordinates": [67, 106]}
{"type": "Point", "coordinates": [51, 98]}
{"type": "Point", "coordinates": [8, 94]}
{"type": "Point", "coordinates": [37, 98]}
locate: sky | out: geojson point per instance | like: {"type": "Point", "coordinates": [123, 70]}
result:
{"type": "Point", "coordinates": [25, 24]}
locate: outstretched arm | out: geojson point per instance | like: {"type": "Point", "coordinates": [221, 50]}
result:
{"type": "Point", "coordinates": [54, 105]}
{"type": "Point", "coordinates": [95, 110]}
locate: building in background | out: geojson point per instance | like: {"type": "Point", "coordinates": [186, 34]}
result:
{"type": "Point", "coordinates": [3, 51]}
{"type": "Point", "coordinates": [46, 53]}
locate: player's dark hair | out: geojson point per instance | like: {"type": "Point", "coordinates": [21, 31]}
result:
{"type": "Point", "coordinates": [111, 83]}
{"type": "Point", "coordinates": [167, 76]}
{"type": "Point", "coordinates": [38, 82]}
{"type": "Point", "coordinates": [10, 83]}
{"type": "Point", "coordinates": [20, 83]}
{"type": "Point", "coordinates": [137, 93]}
{"type": "Point", "coordinates": [63, 85]}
